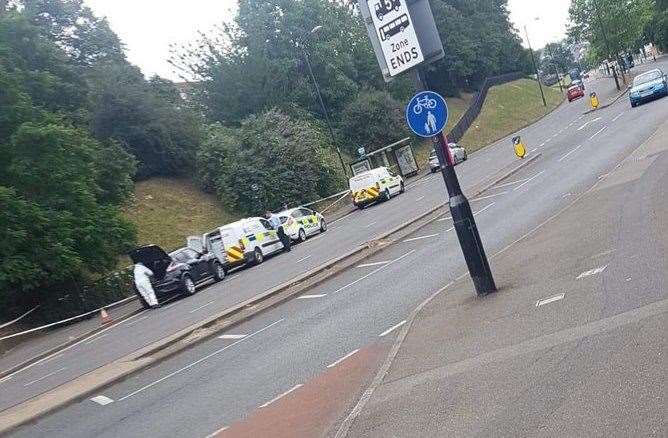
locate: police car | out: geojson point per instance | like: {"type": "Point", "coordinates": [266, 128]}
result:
{"type": "Point", "coordinates": [244, 242]}
{"type": "Point", "coordinates": [375, 185]}
{"type": "Point", "coordinates": [301, 223]}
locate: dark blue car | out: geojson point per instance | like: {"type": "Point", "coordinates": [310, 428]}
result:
{"type": "Point", "coordinates": [648, 86]}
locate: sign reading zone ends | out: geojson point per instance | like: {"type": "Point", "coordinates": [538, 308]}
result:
{"type": "Point", "coordinates": [396, 34]}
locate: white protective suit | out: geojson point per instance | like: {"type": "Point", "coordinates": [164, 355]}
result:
{"type": "Point", "coordinates": [143, 282]}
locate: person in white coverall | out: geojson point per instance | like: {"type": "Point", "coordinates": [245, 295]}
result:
{"type": "Point", "coordinates": [144, 287]}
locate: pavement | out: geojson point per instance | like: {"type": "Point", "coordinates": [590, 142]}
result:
{"type": "Point", "coordinates": [243, 378]}
{"type": "Point", "coordinates": [573, 344]}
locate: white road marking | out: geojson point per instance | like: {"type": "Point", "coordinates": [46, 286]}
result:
{"type": "Point", "coordinates": [46, 376]}
{"type": "Point", "coordinates": [173, 304]}
{"type": "Point", "coordinates": [510, 183]}
{"type": "Point", "coordinates": [102, 400]}
{"type": "Point", "coordinates": [547, 141]}
{"type": "Point", "coordinates": [489, 196]}
{"type": "Point", "coordinates": [449, 229]}
{"type": "Point", "coordinates": [202, 306]}
{"type": "Point", "coordinates": [369, 265]}
{"type": "Point", "coordinates": [233, 337]}
{"type": "Point", "coordinates": [212, 435]}
{"type": "Point", "coordinates": [419, 199]}
{"type": "Point", "coordinates": [373, 272]}
{"type": "Point", "coordinates": [304, 259]}
{"type": "Point", "coordinates": [338, 361]}
{"type": "Point", "coordinates": [598, 132]}
{"type": "Point", "coordinates": [391, 329]}
{"type": "Point", "coordinates": [529, 180]}
{"type": "Point", "coordinates": [592, 272]}
{"type": "Point", "coordinates": [550, 300]}
{"type": "Point", "coordinates": [131, 323]}
{"type": "Point", "coordinates": [6, 379]}
{"type": "Point", "coordinates": [310, 297]}
{"type": "Point", "coordinates": [57, 356]}
{"type": "Point", "coordinates": [483, 209]}
{"type": "Point", "coordinates": [533, 150]}
{"type": "Point", "coordinates": [443, 219]}
{"type": "Point", "coordinates": [541, 145]}
{"type": "Point", "coordinates": [278, 397]}
{"type": "Point", "coordinates": [370, 225]}
{"type": "Point", "coordinates": [569, 153]}
{"type": "Point", "coordinates": [414, 239]}
{"type": "Point", "coordinates": [97, 338]}
{"type": "Point", "coordinates": [588, 123]}
{"type": "Point", "coordinates": [618, 116]}
{"type": "Point", "coordinates": [198, 361]}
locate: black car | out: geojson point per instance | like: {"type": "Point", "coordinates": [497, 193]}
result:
{"type": "Point", "coordinates": [178, 272]}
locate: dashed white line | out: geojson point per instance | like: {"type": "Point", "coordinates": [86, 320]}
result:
{"type": "Point", "coordinates": [529, 180]}
{"type": "Point", "coordinates": [618, 116]}
{"type": "Point", "coordinates": [278, 397]}
{"type": "Point", "coordinates": [233, 337]}
{"type": "Point", "coordinates": [202, 306]}
{"type": "Point", "coordinates": [420, 198]}
{"type": "Point", "coordinates": [373, 272]}
{"type": "Point", "coordinates": [415, 239]}
{"type": "Point", "coordinates": [512, 183]}
{"type": "Point", "coordinates": [304, 259]}
{"type": "Point", "coordinates": [102, 400]}
{"type": "Point", "coordinates": [589, 123]}
{"type": "Point", "coordinates": [489, 196]}
{"type": "Point", "coordinates": [311, 297]}
{"type": "Point", "coordinates": [598, 132]}
{"type": "Point", "coordinates": [369, 265]}
{"type": "Point", "coordinates": [391, 329]}
{"type": "Point", "coordinates": [541, 145]}
{"type": "Point", "coordinates": [46, 376]}
{"type": "Point", "coordinates": [592, 272]}
{"type": "Point", "coordinates": [198, 361]}
{"type": "Point", "coordinates": [97, 338]}
{"type": "Point", "coordinates": [338, 361]}
{"type": "Point", "coordinates": [550, 300]}
{"type": "Point", "coordinates": [569, 153]}
{"type": "Point", "coordinates": [443, 219]}
{"type": "Point", "coordinates": [449, 229]}
{"type": "Point", "coordinates": [370, 225]}
{"type": "Point", "coordinates": [483, 209]}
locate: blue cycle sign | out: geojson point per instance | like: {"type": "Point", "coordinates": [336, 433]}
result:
{"type": "Point", "coordinates": [427, 114]}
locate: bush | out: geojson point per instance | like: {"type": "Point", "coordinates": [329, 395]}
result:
{"type": "Point", "coordinates": [271, 160]}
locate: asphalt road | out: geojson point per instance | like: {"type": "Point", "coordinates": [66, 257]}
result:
{"type": "Point", "coordinates": [224, 380]}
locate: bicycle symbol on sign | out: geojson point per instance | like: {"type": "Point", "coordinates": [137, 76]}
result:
{"type": "Point", "coordinates": [424, 102]}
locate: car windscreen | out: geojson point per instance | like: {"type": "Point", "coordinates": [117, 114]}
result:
{"type": "Point", "coordinates": [362, 182]}
{"type": "Point", "coordinates": [647, 77]}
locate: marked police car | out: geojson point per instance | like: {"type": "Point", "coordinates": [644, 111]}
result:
{"type": "Point", "coordinates": [375, 185]}
{"type": "Point", "coordinates": [301, 223]}
{"type": "Point", "coordinates": [244, 242]}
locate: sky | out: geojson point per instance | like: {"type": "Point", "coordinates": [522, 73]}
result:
{"type": "Point", "coordinates": [148, 27]}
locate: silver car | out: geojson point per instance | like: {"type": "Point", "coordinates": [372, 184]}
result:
{"type": "Point", "coordinates": [458, 154]}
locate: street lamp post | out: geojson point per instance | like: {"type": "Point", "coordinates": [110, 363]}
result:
{"type": "Point", "coordinates": [535, 67]}
{"type": "Point", "coordinates": [325, 113]}
{"type": "Point", "coordinates": [607, 44]}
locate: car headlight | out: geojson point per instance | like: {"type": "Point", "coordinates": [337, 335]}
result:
{"type": "Point", "coordinates": [635, 94]}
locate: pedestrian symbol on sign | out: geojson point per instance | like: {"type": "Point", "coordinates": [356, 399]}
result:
{"type": "Point", "coordinates": [427, 114]}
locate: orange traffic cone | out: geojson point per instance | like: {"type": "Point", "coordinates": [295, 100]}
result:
{"type": "Point", "coordinates": [104, 316]}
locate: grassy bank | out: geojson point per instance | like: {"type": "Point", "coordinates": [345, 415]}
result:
{"type": "Point", "coordinates": [165, 211]}
{"type": "Point", "coordinates": [507, 109]}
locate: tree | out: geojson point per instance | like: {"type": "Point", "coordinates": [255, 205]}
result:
{"type": "Point", "coordinates": [373, 120]}
{"type": "Point", "coordinates": [557, 55]}
{"type": "Point", "coordinates": [269, 161]}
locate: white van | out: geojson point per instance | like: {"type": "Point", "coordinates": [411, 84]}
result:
{"type": "Point", "coordinates": [247, 241]}
{"type": "Point", "coordinates": [375, 185]}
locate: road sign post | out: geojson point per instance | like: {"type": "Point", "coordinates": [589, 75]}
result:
{"type": "Point", "coordinates": [404, 37]}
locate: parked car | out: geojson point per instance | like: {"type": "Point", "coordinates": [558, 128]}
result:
{"type": "Point", "coordinates": [301, 223]}
{"type": "Point", "coordinates": [459, 155]}
{"type": "Point", "coordinates": [181, 271]}
{"type": "Point", "coordinates": [574, 92]}
{"type": "Point", "coordinates": [648, 86]}
{"type": "Point", "coordinates": [375, 185]}
{"type": "Point", "coordinates": [578, 83]}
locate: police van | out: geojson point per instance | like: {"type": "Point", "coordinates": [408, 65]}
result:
{"type": "Point", "coordinates": [244, 242]}
{"type": "Point", "coordinates": [375, 185]}
{"type": "Point", "coordinates": [301, 223]}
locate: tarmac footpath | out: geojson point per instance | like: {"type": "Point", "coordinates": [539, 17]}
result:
{"type": "Point", "coordinates": [573, 344]}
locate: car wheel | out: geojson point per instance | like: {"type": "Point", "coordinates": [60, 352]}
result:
{"type": "Point", "coordinates": [302, 235]}
{"type": "Point", "coordinates": [188, 285]}
{"type": "Point", "coordinates": [633, 104]}
{"type": "Point", "coordinates": [466, 156]}
{"type": "Point", "coordinates": [403, 188]}
{"type": "Point", "coordinates": [386, 195]}
{"type": "Point", "coordinates": [218, 272]}
{"type": "Point", "coordinates": [323, 226]}
{"type": "Point", "coordinates": [258, 257]}
{"type": "Point", "coordinates": [361, 206]}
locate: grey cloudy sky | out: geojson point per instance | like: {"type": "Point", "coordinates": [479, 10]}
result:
{"type": "Point", "coordinates": [148, 27]}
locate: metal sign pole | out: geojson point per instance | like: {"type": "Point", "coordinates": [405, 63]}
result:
{"type": "Point", "coordinates": [462, 215]}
